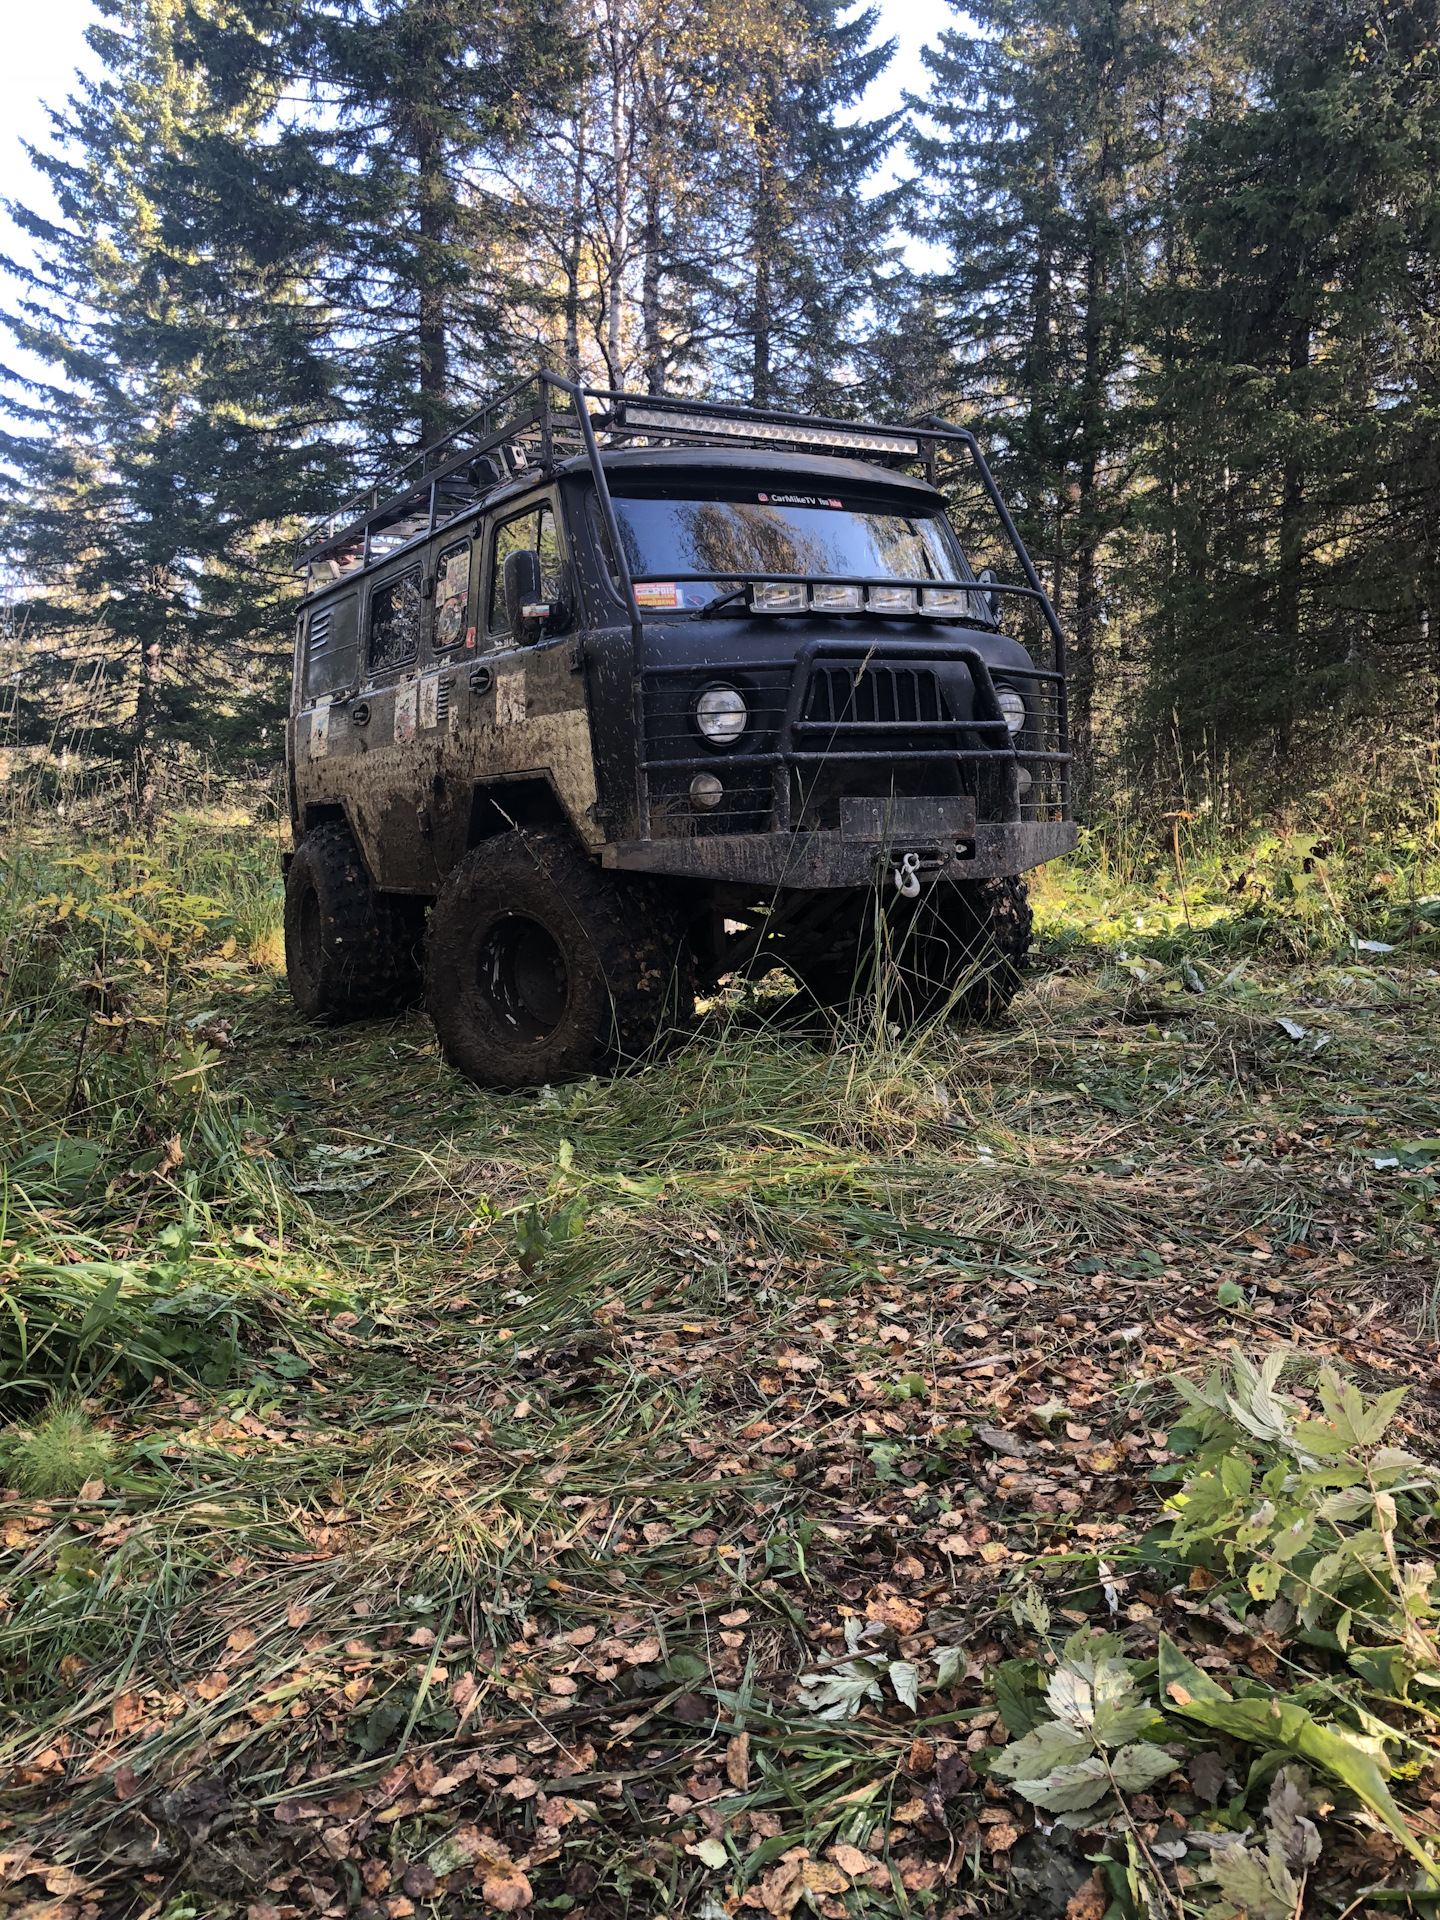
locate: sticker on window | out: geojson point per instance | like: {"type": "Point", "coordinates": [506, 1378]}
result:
{"type": "Point", "coordinates": [405, 703]}
{"type": "Point", "coordinates": [657, 593]}
{"type": "Point", "coordinates": [448, 622]}
{"type": "Point", "coordinates": [320, 732]}
{"type": "Point", "coordinates": [455, 582]}
{"type": "Point", "coordinates": [798, 500]}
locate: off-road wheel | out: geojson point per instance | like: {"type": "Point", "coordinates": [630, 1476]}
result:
{"type": "Point", "coordinates": [541, 967]}
{"type": "Point", "coordinates": [349, 950]}
{"type": "Point", "coordinates": [955, 949]}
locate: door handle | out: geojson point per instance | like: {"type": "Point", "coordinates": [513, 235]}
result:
{"type": "Point", "coordinates": [481, 679]}
{"type": "Point", "coordinates": [360, 714]}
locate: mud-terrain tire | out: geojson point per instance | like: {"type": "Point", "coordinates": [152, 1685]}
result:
{"type": "Point", "coordinates": [957, 949]}
{"type": "Point", "coordinates": [541, 967]}
{"type": "Point", "coordinates": [349, 951]}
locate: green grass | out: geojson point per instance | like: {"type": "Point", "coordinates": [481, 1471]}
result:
{"type": "Point", "coordinates": [399, 1383]}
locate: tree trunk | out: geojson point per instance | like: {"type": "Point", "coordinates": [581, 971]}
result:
{"type": "Point", "coordinates": [1289, 615]}
{"type": "Point", "coordinates": [1088, 532]}
{"type": "Point", "coordinates": [654, 344]}
{"type": "Point", "coordinates": [574, 244]}
{"type": "Point", "coordinates": [762, 248]}
{"type": "Point", "coordinates": [148, 712]}
{"type": "Point", "coordinates": [620, 214]}
{"type": "Point", "coordinates": [434, 232]}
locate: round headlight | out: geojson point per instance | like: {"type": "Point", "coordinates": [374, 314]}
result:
{"type": "Point", "coordinates": [1012, 708]}
{"type": "Point", "coordinates": [721, 714]}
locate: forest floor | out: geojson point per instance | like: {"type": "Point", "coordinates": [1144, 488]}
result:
{"type": "Point", "coordinates": [671, 1494]}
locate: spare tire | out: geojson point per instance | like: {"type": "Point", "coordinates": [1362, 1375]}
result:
{"type": "Point", "coordinates": [541, 967]}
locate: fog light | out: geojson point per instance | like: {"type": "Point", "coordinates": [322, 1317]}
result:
{"type": "Point", "coordinates": [828, 599]}
{"type": "Point", "coordinates": [891, 600]}
{"type": "Point", "coordinates": [776, 596]}
{"type": "Point", "coordinates": [706, 792]}
{"type": "Point", "coordinates": [1012, 708]}
{"type": "Point", "coordinates": [1022, 778]}
{"type": "Point", "coordinates": [947, 603]}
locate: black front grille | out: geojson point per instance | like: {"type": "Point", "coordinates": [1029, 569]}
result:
{"type": "Point", "coordinates": [874, 695]}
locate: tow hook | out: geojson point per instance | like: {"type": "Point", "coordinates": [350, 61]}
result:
{"type": "Point", "coordinates": [906, 875]}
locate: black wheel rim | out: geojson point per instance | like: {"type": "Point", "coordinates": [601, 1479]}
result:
{"type": "Point", "coordinates": [309, 931]}
{"type": "Point", "coordinates": [523, 978]}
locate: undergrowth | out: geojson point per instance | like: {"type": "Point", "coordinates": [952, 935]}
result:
{"type": "Point", "coordinates": [723, 1487]}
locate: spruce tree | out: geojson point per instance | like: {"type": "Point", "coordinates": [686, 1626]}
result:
{"type": "Point", "coordinates": [152, 476]}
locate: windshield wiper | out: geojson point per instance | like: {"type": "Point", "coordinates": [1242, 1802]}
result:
{"type": "Point", "coordinates": [720, 600]}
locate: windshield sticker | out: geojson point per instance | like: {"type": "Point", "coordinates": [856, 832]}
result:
{"type": "Point", "coordinates": [656, 593]}
{"type": "Point", "coordinates": [797, 500]}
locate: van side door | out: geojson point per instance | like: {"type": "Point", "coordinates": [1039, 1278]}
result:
{"type": "Point", "coordinates": [390, 796]}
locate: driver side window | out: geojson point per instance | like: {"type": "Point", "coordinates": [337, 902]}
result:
{"type": "Point", "coordinates": [532, 531]}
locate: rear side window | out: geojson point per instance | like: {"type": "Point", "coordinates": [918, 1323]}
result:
{"type": "Point", "coordinates": [330, 637]}
{"type": "Point", "coordinates": [452, 594]}
{"type": "Point", "coordinates": [533, 531]}
{"type": "Point", "coordinates": [395, 621]}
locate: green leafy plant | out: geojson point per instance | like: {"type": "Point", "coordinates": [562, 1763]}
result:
{"type": "Point", "coordinates": [1268, 1883]}
{"type": "Point", "coordinates": [59, 1453]}
{"type": "Point", "coordinates": [1101, 1740]}
{"type": "Point", "coordinates": [839, 1691]}
{"type": "Point", "coordinates": [1313, 1512]}
{"type": "Point", "coordinates": [537, 1235]}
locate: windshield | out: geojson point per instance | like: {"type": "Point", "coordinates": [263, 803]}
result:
{"type": "Point", "coordinates": [777, 533]}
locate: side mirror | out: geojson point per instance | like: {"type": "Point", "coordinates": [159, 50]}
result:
{"type": "Point", "coordinates": [992, 600]}
{"type": "Point", "coordinates": [525, 610]}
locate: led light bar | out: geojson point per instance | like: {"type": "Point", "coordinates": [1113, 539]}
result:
{"type": "Point", "coordinates": [664, 421]}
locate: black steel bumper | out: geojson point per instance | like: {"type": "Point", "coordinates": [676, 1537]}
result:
{"type": "Point", "coordinates": [833, 860]}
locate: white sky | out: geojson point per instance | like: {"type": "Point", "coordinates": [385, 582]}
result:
{"type": "Point", "coordinates": [44, 44]}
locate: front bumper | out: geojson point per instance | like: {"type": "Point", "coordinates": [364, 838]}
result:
{"type": "Point", "coordinates": [833, 860]}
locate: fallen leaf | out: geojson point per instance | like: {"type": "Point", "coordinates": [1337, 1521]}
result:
{"type": "Point", "coordinates": [900, 1615]}
{"type": "Point", "coordinates": [242, 1640]}
{"type": "Point", "coordinates": [1090, 1902]}
{"type": "Point", "coordinates": [127, 1713]}
{"type": "Point", "coordinates": [296, 1615]}
{"type": "Point", "coordinates": [737, 1760]}
{"type": "Point", "coordinates": [561, 1685]}
{"type": "Point", "coordinates": [850, 1860]}
{"type": "Point", "coordinates": [64, 1881]}
{"type": "Point", "coordinates": [999, 1839]}
{"type": "Point", "coordinates": [642, 1654]}
{"type": "Point", "coordinates": [92, 1490]}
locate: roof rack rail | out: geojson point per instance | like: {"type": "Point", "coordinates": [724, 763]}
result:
{"type": "Point", "coordinates": [532, 426]}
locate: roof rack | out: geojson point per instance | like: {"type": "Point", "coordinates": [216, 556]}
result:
{"type": "Point", "coordinates": [547, 419]}
{"type": "Point", "coordinates": [532, 427]}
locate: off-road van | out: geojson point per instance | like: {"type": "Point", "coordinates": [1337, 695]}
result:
{"type": "Point", "coordinates": [607, 696]}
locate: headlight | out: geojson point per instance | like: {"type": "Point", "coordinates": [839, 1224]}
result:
{"type": "Point", "coordinates": [1012, 708]}
{"type": "Point", "coordinates": [721, 714]}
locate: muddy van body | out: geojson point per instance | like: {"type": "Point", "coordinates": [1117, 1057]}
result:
{"type": "Point", "coordinates": [607, 697]}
